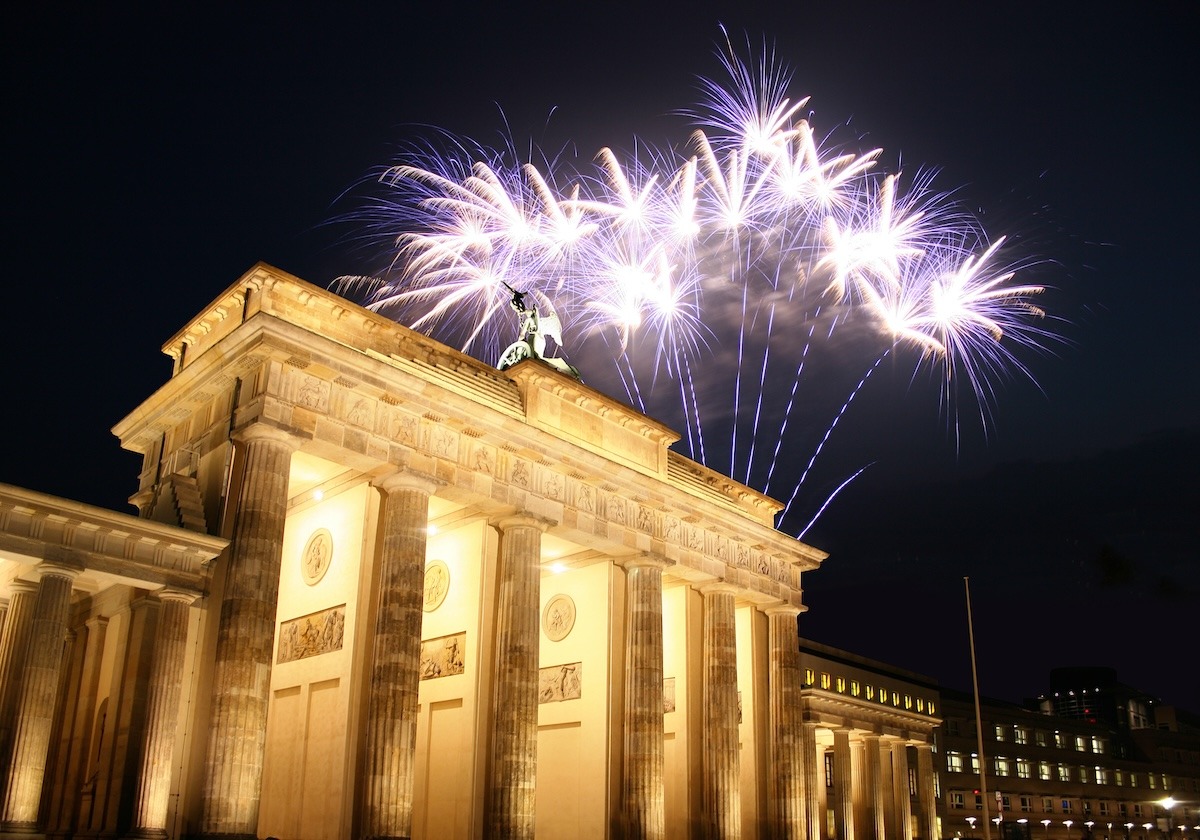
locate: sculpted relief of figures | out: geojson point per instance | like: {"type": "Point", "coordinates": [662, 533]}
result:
{"type": "Point", "coordinates": [312, 634]}
{"type": "Point", "coordinates": [443, 656]}
{"type": "Point", "coordinates": [560, 682]}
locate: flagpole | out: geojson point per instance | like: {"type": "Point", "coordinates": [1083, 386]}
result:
{"type": "Point", "coordinates": [987, 823]}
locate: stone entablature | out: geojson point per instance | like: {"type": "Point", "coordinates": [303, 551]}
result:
{"type": "Point", "coordinates": [36, 526]}
{"type": "Point", "coordinates": [363, 391]}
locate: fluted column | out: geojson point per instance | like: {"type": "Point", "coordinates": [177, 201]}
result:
{"type": "Point", "coordinates": [786, 813]}
{"type": "Point", "coordinates": [513, 779]}
{"type": "Point", "coordinates": [395, 667]}
{"type": "Point", "coordinates": [722, 768]}
{"type": "Point", "coordinates": [926, 796]}
{"type": "Point", "coordinates": [876, 786]}
{"type": "Point", "coordinates": [843, 785]}
{"type": "Point", "coordinates": [33, 717]}
{"type": "Point", "coordinates": [242, 673]}
{"type": "Point", "coordinates": [89, 683]}
{"type": "Point", "coordinates": [153, 792]}
{"type": "Point", "coordinates": [12, 657]}
{"type": "Point", "coordinates": [812, 781]}
{"type": "Point", "coordinates": [900, 798]}
{"type": "Point", "coordinates": [643, 792]}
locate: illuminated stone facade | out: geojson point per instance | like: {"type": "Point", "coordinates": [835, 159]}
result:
{"type": "Point", "coordinates": [380, 589]}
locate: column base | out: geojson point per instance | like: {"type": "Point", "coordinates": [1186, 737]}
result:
{"type": "Point", "coordinates": [146, 834]}
{"type": "Point", "coordinates": [21, 830]}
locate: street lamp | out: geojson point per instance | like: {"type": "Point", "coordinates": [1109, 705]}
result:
{"type": "Point", "coordinates": [1167, 803]}
{"type": "Point", "coordinates": [1068, 824]}
{"type": "Point", "coordinates": [1046, 825]}
{"type": "Point", "coordinates": [972, 820]}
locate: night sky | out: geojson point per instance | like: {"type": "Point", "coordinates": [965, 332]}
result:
{"type": "Point", "coordinates": [154, 156]}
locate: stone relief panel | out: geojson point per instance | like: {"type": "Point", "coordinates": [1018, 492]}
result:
{"type": "Point", "coordinates": [359, 411]}
{"type": "Point", "coordinates": [520, 473]}
{"type": "Point", "coordinates": [560, 682]}
{"type": "Point", "coordinates": [484, 459]}
{"type": "Point", "coordinates": [443, 656]}
{"type": "Point", "coordinates": [312, 634]}
{"type": "Point", "coordinates": [558, 618]}
{"type": "Point", "coordinates": [316, 557]}
{"type": "Point", "coordinates": [585, 496]}
{"type": "Point", "coordinates": [403, 427]}
{"type": "Point", "coordinates": [437, 584]}
{"type": "Point", "coordinates": [308, 391]}
{"type": "Point", "coordinates": [444, 442]}
{"type": "Point", "coordinates": [668, 695]}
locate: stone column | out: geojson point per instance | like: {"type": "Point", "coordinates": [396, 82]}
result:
{"type": "Point", "coordinates": [395, 666]}
{"type": "Point", "coordinates": [242, 673]}
{"type": "Point", "coordinates": [33, 717]}
{"type": "Point", "coordinates": [843, 785]}
{"type": "Point", "coordinates": [643, 792]}
{"type": "Point", "coordinates": [926, 797]}
{"type": "Point", "coordinates": [786, 806]}
{"type": "Point", "coordinates": [812, 781]}
{"type": "Point", "coordinates": [513, 778]}
{"type": "Point", "coordinates": [153, 793]}
{"type": "Point", "coordinates": [722, 768]}
{"type": "Point", "coordinates": [12, 657]}
{"type": "Point", "coordinates": [876, 786]}
{"type": "Point", "coordinates": [89, 684]}
{"type": "Point", "coordinates": [900, 798]}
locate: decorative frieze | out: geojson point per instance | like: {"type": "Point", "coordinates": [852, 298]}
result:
{"type": "Point", "coordinates": [560, 682]}
{"type": "Point", "coordinates": [443, 656]}
{"type": "Point", "coordinates": [312, 634]}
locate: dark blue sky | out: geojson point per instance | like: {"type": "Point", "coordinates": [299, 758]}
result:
{"type": "Point", "coordinates": [153, 156]}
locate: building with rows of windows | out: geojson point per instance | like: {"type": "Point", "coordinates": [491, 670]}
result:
{"type": "Point", "coordinates": [1134, 775]}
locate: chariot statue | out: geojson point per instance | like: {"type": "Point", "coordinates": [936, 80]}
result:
{"type": "Point", "coordinates": [531, 341]}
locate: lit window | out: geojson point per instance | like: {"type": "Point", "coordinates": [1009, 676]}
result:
{"type": "Point", "coordinates": [1133, 779]}
{"type": "Point", "coordinates": [1080, 743]}
{"type": "Point", "coordinates": [956, 801]}
{"type": "Point", "coordinates": [999, 730]}
{"type": "Point", "coordinates": [1059, 740]}
{"type": "Point", "coordinates": [1022, 768]}
{"type": "Point", "coordinates": [1047, 804]}
{"type": "Point", "coordinates": [828, 769]}
{"type": "Point", "coordinates": [1003, 766]}
{"type": "Point", "coordinates": [841, 685]}
{"type": "Point", "coordinates": [1083, 775]}
{"type": "Point", "coordinates": [1097, 745]}
{"type": "Point", "coordinates": [1064, 773]}
{"type": "Point", "coordinates": [1020, 735]}
{"type": "Point", "coordinates": [974, 764]}
{"type": "Point", "coordinates": [870, 692]}
{"type": "Point", "coordinates": [1119, 777]}
{"type": "Point", "coordinates": [1040, 738]}
{"type": "Point", "coordinates": [809, 676]}
{"type": "Point", "coordinates": [954, 762]}
{"type": "Point", "coordinates": [907, 701]}
{"type": "Point", "coordinates": [920, 704]}
{"type": "Point", "coordinates": [912, 781]}
{"type": "Point", "coordinates": [855, 688]}
{"type": "Point", "coordinates": [1150, 779]}
{"type": "Point", "coordinates": [895, 699]}
{"type": "Point", "coordinates": [1044, 771]}
{"type": "Point", "coordinates": [1066, 806]}
{"type": "Point", "coordinates": [883, 695]}
{"type": "Point", "coordinates": [931, 711]}
{"type": "Point", "coordinates": [825, 681]}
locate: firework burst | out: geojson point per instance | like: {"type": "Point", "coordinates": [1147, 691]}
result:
{"type": "Point", "coordinates": [709, 271]}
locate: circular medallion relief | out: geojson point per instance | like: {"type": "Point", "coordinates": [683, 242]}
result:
{"type": "Point", "coordinates": [316, 557]}
{"type": "Point", "coordinates": [558, 618]}
{"type": "Point", "coordinates": [437, 584]}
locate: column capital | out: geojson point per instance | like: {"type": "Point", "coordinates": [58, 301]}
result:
{"type": "Point", "coordinates": [58, 568]}
{"type": "Point", "coordinates": [262, 431]}
{"type": "Point", "coordinates": [780, 609]}
{"type": "Point", "coordinates": [171, 593]}
{"type": "Point", "coordinates": [718, 587]}
{"type": "Point", "coordinates": [645, 560]}
{"type": "Point", "coordinates": [408, 479]}
{"type": "Point", "coordinates": [20, 585]}
{"type": "Point", "coordinates": [521, 520]}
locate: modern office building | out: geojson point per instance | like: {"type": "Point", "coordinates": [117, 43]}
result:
{"type": "Point", "coordinates": [1113, 765]}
